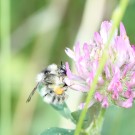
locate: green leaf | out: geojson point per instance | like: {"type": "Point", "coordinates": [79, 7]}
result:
{"type": "Point", "coordinates": [58, 131]}
{"type": "Point", "coordinates": [61, 108]}
{"type": "Point", "coordinates": [64, 111]}
{"type": "Point", "coordinates": [92, 113]}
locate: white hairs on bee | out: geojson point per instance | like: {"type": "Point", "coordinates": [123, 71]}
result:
{"type": "Point", "coordinates": [40, 77]}
{"type": "Point", "coordinates": [43, 91]}
{"type": "Point", "coordinates": [52, 67]}
{"type": "Point", "coordinates": [48, 99]}
{"type": "Point", "coordinates": [58, 80]}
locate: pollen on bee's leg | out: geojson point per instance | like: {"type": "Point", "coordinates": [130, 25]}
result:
{"type": "Point", "coordinates": [58, 90]}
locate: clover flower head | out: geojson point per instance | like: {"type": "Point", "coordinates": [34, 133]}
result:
{"type": "Point", "coordinates": [116, 84]}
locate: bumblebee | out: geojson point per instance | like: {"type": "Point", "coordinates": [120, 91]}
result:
{"type": "Point", "coordinates": [52, 86]}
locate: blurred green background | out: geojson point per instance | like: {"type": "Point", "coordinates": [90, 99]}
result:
{"type": "Point", "coordinates": [39, 32]}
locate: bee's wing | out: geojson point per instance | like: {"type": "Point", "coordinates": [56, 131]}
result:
{"type": "Point", "coordinates": [32, 93]}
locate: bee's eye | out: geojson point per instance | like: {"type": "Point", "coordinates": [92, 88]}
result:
{"type": "Point", "coordinates": [46, 72]}
{"type": "Point", "coordinates": [65, 85]}
{"type": "Point", "coordinates": [51, 91]}
{"type": "Point", "coordinates": [63, 71]}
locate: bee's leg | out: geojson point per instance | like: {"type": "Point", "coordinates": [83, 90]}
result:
{"type": "Point", "coordinates": [45, 94]}
{"type": "Point", "coordinates": [53, 99]}
{"type": "Point", "coordinates": [31, 94]}
{"type": "Point", "coordinates": [58, 99]}
{"type": "Point", "coordinates": [48, 93]}
{"type": "Point", "coordinates": [63, 98]}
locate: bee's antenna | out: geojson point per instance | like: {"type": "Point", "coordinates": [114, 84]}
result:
{"type": "Point", "coordinates": [61, 63]}
{"type": "Point", "coordinates": [31, 94]}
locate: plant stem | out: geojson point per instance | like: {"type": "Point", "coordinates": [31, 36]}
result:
{"type": "Point", "coordinates": [97, 124]}
{"type": "Point", "coordinates": [5, 68]}
{"type": "Point", "coordinates": [116, 18]}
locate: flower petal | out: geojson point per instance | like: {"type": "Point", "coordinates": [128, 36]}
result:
{"type": "Point", "coordinates": [126, 104]}
{"type": "Point", "coordinates": [105, 30]}
{"type": "Point", "coordinates": [105, 103]}
{"type": "Point", "coordinates": [98, 96]}
{"type": "Point", "coordinates": [122, 29]}
{"type": "Point", "coordinates": [70, 53]}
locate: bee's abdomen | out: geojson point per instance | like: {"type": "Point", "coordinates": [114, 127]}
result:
{"type": "Point", "coordinates": [51, 97]}
{"type": "Point", "coordinates": [54, 99]}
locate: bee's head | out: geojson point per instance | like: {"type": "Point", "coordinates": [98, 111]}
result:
{"type": "Point", "coordinates": [62, 70]}
{"type": "Point", "coordinates": [51, 69]}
